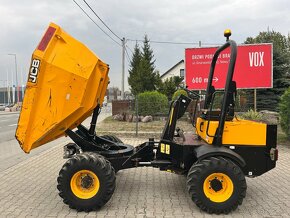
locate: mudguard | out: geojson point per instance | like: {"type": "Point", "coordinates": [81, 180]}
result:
{"type": "Point", "coordinates": [205, 151]}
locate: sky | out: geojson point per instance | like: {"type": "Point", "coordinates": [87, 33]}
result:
{"type": "Point", "coordinates": [24, 22]}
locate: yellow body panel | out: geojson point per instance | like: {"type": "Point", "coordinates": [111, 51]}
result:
{"type": "Point", "coordinates": [236, 132]}
{"type": "Point", "coordinates": [65, 83]}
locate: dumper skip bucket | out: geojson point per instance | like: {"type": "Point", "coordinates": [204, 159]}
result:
{"type": "Point", "coordinates": [66, 82]}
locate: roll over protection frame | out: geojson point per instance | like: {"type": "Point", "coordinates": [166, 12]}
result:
{"type": "Point", "coordinates": [209, 91]}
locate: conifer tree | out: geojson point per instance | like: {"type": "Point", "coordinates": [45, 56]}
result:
{"type": "Point", "coordinates": [269, 98]}
{"type": "Point", "coordinates": [134, 78]}
{"type": "Point", "coordinates": [142, 74]}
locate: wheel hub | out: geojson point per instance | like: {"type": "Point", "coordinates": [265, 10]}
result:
{"type": "Point", "coordinates": [85, 184]}
{"type": "Point", "coordinates": [87, 181]}
{"type": "Point", "coordinates": [216, 185]}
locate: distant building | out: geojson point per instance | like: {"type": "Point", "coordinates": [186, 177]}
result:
{"type": "Point", "coordinates": [128, 95]}
{"type": "Point", "coordinates": [113, 93]}
{"type": "Point", "coordinates": [176, 70]}
{"type": "Point", "coordinates": [9, 95]}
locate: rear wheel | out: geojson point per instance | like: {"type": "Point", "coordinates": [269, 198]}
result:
{"type": "Point", "coordinates": [216, 185]}
{"type": "Point", "coordinates": [86, 181]}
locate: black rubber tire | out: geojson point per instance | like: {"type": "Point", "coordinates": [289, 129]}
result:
{"type": "Point", "coordinates": [201, 170]}
{"type": "Point", "coordinates": [100, 167]}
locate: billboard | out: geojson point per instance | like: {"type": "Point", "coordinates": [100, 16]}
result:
{"type": "Point", "coordinates": [253, 67]}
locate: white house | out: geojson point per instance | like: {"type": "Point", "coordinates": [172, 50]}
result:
{"type": "Point", "coordinates": [176, 70]}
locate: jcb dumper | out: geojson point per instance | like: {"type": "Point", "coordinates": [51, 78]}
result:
{"type": "Point", "coordinates": [67, 83]}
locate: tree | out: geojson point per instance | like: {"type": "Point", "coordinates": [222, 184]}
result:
{"type": "Point", "coordinates": [169, 86]}
{"type": "Point", "coordinates": [135, 78]}
{"type": "Point", "coordinates": [284, 108]}
{"type": "Point", "coordinates": [269, 98]}
{"type": "Point", "coordinates": [142, 74]}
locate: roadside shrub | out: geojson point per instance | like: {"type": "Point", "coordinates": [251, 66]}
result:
{"type": "Point", "coordinates": [178, 93]}
{"type": "Point", "coordinates": [284, 111]}
{"type": "Point", "coordinates": [253, 115]}
{"type": "Point", "coordinates": [152, 103]}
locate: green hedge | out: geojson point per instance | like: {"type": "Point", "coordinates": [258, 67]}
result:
{"type": "Point", "coordinates": [152, 103]}
{"type": "Point", "coordinates": [284, 111]}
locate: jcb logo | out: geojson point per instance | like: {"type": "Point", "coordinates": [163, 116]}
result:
{"type": "Point", "coordinates": [34, 70]}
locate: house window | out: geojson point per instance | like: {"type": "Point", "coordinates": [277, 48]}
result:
{"type": "Point", "coordinates": [182, 73]}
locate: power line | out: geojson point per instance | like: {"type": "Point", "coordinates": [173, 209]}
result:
{"type": "Point", "coordinates": [136, 40]}
{"type": "Point", "coordinates": [96, 23]}
{"type": "Point", "coordinates": [130, 49]}
{"type": "Point", "coordinates": [174, 43]}
{"type": "Point", "coordinates": [128, 61]}
{"type": "Point", "coordinates": [163, 42]}
{"type": "Point", "coordinates": [127, 55]}
{"type": "Point", "coordinates": [102, 20]}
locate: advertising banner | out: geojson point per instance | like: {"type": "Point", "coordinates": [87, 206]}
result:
{"type": "Point", "coordinates": [253, 68]}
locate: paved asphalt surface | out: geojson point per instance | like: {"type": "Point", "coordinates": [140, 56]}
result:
{"type": "Point", "coordinates": [10, 151]}
{"type": "Point", "coordinates": [8, 124]}
{"type": "Point", "coordinates": [28, 187]}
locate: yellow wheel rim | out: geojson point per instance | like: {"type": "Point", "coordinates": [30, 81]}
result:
{"type": "Point", "coordinates": [218, 187]}
{"type": "Point", "coordinates": [85, 184]}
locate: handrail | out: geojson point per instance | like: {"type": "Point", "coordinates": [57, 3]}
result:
{"type": "Point", "coordinates": [232, 44]}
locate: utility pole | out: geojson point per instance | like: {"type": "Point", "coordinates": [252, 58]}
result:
{"type": "Point", "coordinates": [13, 89]}
{"type": "Point", "coordinates": [8, 89]}
{"type": "Point", "coordinates": [21, 85]}
{"type": "Point", "coordinates": [16, 77]}
{"type": "Point", "coordinates": [123, 68]}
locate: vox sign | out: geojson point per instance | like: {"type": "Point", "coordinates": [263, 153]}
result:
{"type": "Point", "coordinates": [253, 67]}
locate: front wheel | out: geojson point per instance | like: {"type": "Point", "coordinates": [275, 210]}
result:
{"type": "Point", "coordinates": [216, 185]}
{"type": "Point", "coordinates": [86, 181]}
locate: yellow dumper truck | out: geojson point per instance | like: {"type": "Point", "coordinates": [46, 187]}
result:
{"type": "Point", "coordinates": [67, 84]}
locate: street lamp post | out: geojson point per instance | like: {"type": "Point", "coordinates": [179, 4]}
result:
{"type": "Point", "coordinates": [16, 77]}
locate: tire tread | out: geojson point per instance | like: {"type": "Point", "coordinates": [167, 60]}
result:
{"type": "Point", "coordinates": [95, 160]}
{"type": "Point", "coordinates": [196, 172]}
